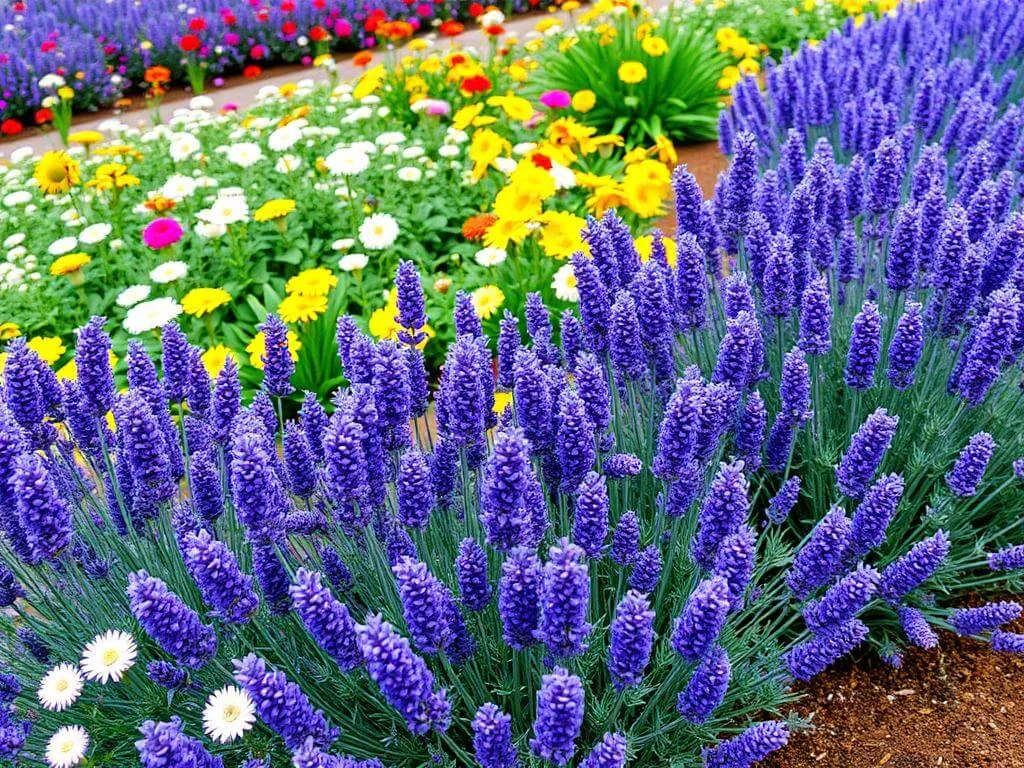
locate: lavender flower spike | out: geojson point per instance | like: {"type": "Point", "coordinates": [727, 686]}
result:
{"type": "Point", "coordinates": [564, 599]}
{"type": "Point", "coordinates": [706, 688]}
{"type": "Point", "coordinates": [610, 752]}
{"type": "Point", "coordinates": [751, 746]}
{"type": "Point", "coordinates": [492, 738]}
{"type": "Point", "coordinates": [327, 619]}
{"type": "Point", "coordinates": [164, 745]}
{"type": "Point", "coordinates": [813, 656]}
{"type": "Point", "coordinates": [914, 568]}
{"type": "Point", "coordinates": [867, 449]}
{"type": "Point", "coordinates": [865, 347]}
{"type": "Point", "coordinates": [703, 617]}
{"type": "Point", "coordinates": [984, 618]}
{"type": "Point", "coordinates": [171, 623]}
{"type": "Point", "coordinates": [970, 465]}
{"type": "Point", "coordinates": [916, 628]}
{"type": "Point", "coordinates": [278, 365]}
{"type": "Point", "coordinates": [559, 717]}
{"type": "Point", "coordinates": [632, 638]}
{"type": "Point", "coordinates": [221, 582]}
{"type": "Point", "coordinates": [518, 597]}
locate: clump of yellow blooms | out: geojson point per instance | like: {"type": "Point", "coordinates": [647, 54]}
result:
{"type": "Point", "coordinates": [202, 301]}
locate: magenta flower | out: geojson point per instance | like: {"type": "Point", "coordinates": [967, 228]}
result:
{"type": "Point", "coordinates": [556, 99]}
{"type": "Point", "coordinates": [162, 233]}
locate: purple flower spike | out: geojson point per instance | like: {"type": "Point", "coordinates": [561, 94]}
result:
{"type": "Point", "coordinates": [865, 347]}
{"type": "Point", "coordinates": [874, 513]}
{"type": "Point", "coordinates": [278, 365]}
{"type": "Point", "coordinates": [632, 638]}
{"type": "Point", "coordinates": [970, 466]}
{"type": "Point", "coordinates": [822, 556]}
{"type": "Point", "coordinates": [518, 597]}
{"type": "Point", "coordinates": [574, 445]}
{"type": "Point", "coordinates": [814, 656]}
{"type": "Point", "coordinates": [164, 745]}
{"type": "Point", "coordinates": [502, 509]}
{"type": "Point", "coordinates": [725, 510]}
{"type": "Point", "coordinates": [914, 568]}
{"type": "Point", "coordinates": [492, 738]}
{"type": "Point", "coordinates": [1008, 642]}
{"type": "Point", "coordinates": [867, 449]}
{"type": "Point", "coordinates": [707, 687]}
{"type": "Point", "coordinates": [171, 623]}
{"type": "Point", "coordinates": [816, 318]}
{"type": "Point", "coordinates": [559, 717]}
{"type": "Point", "coordinates": [326, 619]}
{"type": "Point", "coordinates": [92, 357]}
{"type": "Point", "coordinates": [751, 746]}
{"type": "Point", "coordinates": [44, 518]}
{"type": "Point", "coordinates": [1007, 559]}
{"type": "Point", "coordinates": [843, 600]}
{"type": "Point", "coordinates": [626, 539]}
{"type": "Point", "coordinates": [221, 582]}
{"type": "Point", "coordinates": [916, 628]}
{"type": "Point", "coordinates": [414, 490]}
{"type": "Point", "coordinates": [610, 752]}
{"type": "Point", "coordinates": [564, 599]}
{"type": "Point", "coordinates": [906, 347]}
{"type": "Point", "coordinates": [784, 500]}
{"type": "Point", "coordinates": [703, 618]}
{"type": "Point", "coordinates": [590, 521]}
{"type": "Point", "coordinates": [646, 569]}
{"type": "Point", "coordinates": [984, 618]}
{"type": "Point", "coordinates": [471, 571]}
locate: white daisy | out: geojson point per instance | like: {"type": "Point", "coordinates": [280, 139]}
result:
{"type": "Point", "coordinates": [132, 295]}
{"type": "Point", "coordinates": [448, 150]}
{"type": "Point", "coordinates": [13, 240]}
{"type": "Point", "coordinates": [168, 272]}
{"type": "Point", "coordinates": [200, 102]}
{"type": "Point", "coordinates": [287, 164]}
{"type": "Point", "coordinates": [21, 154]}
{"type": "Point", "coordinates": [95, 233]}
{"type": "Point", "coordinates": [378, 231]}
{"type": "Point", "coordinates": [60, 687]}
{"type": "Point", "coordinates": [183, 146]}
{"type": "Point", "coordinates": [210, 231]}
{"type": "Point", "coordinates": [63, 245]}
{"type": "Point", "coordinates": [353, 261]}
{"type": "Point", "coordinates": [564, 284]}
{"type": "Point", "coordinates": [245, 153]}
{"type": "Point", "coordinates": [67, 746]}
{"type": "Point", "coordinates": [390, 137]}
{"type": "Point", "coordinates": [343, 244]}
{"type": "Point", "coordinates": [112, 654]}
{"type": "Point", "coordinates": [490, 257]}
{"type": "Point", "coordinates": [226, 209]}
{"type": "Point", "coordinates": [347, 161]}
{"type": "Point", "coordinates": [285, 137]}
{"type": "Point", "coordinates": [178, 187]}
{"type": "Point", "coordinates": [410, 173]}
{"type": "Point", "coordinates": [18, 197]}
{"type": "Point", "coordinates": [228, 714]}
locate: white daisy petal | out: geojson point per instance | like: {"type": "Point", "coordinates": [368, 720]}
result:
{"type": "Point", "coordinates": [60, 687]}
{"type": "Point", "coordinates": [228, 714]}
{"type": "Point", "coordinates": [111, 654]}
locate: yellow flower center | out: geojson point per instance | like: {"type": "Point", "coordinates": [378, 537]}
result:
{"type": "Point", "coordinates": [62, 685]}
{"type": "Point", "coordinates": [56, 174]}
{"type": "Point", "coordinates": [110, 656]}
{"type": "Point", "coordinates": [231, 713]}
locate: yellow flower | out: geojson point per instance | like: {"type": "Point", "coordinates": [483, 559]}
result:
{"type": "Point", "coordinates": [299, 308]}
{"type": "Point", "coordinates": [215, 357]}
{"type": "Point", "coordinates": [487, 300]}
{"type": "Point", "coordinates": [725, 35]}
{"type": "Point", "coordinates": [274, 209]}
{"type": "Point", "coordinates": [485, 148]}
{"type": "Point", "coordinates": [536, 179]}
{"type": "Point", "coordinates": [317, 281]}
{"type": "Point", "coordinates": [654, 46]}
{"type": "Point", "coordinates": [584, 101]}
{"type": "Point", "coordinates": [56, 172]}
{"type": "Point", "coordinates": [431, 65]}
{"type": "Point", "coordinates": [258, 347]}
{"type": "Point", "coordinates": [9, 331]}
{"type": "Point", "coordinates": [606, 196]}
{"type": "Point", "coordinates": [85, 137]}
{"type": "Point", "coordinates": [504, 231]}
{"type": "Point", "coordinates": [547, 23]}
{"type": "Point", "coordinates": [666, 150]}
{"type": "Point", "coordinates": [462, 119]}
{"type": "Point", "coordinates": [112, 176]}
{"type": "Point", "coordinates": [561, 236]}
{"type": "Point", "coordinates": [383, 323]}
{"type": "Point", "coordinates": [644, 243]}
{"type": "Point", "coordinates": [371, 80]}
{"type": "Point", "coordinates": [518, 73]}
{"type": "Point", "coordinates": [49, 348]}
{"type": "Point", "coordinates": [632, 72]}
{"type": "Point", "coordinates": [69, 264]}
{"type": "Point", "coordinates": [730, 76]}
{"type": "Point", "coordinates": [502, 400]}
{"type": "Point", "coordinates": [749, 66]}
{"type": "Point", "coordinates": [202, 301]}
{"type": "Point", "coordinates": [516, 107]}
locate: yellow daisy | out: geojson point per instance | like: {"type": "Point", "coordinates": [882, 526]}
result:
{"type": "Point", "coordinates": [317, 281]}
{"type": "Point", "coordinates": [56, 172]}
{"type": "Point", "coordinates": [202, 301]}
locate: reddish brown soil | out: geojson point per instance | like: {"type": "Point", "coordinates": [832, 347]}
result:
{"type": "Point", "coordinates": [961, 705]}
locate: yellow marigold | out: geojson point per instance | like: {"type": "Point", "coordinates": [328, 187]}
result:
{"type": "Point", "coordinates": [112, 176]}
{"type": "Point", "coordinates": [605, 197]}
{"type": "Point", "coordinates": [730, 76]}
{"type": "Point", "coordinates": [749, 66]}
{"type": "Point", "coordinates": [504, 231]}
{"type": "Point", "coordinates": [119, 150]}
{"type": "Point", "coordinates": [317, 281]}
{"type": "Point", "coordinates": [69, 264]}
{"type": "Point", "coordinates": [549, 22]}
{"type": "Point", "coordinates": [632, 72]}
{"type": "Point", "coordinates": [666, 150]}
{"type": "Point", "coordinates": [9, 331]}
{"type": "Point", "coordinates": [584, 101]}
{"type": "Point", "coordinates": [274, 209]}
{"type": "Point", "coordinates": [487, 300]}
{"type": "Point", "coordinates": [431, 65]}
{"type": "Point", "coordinates": [516, 107]}
{"type": "Point", "coordinates": [258, 347]}
{"type": "Point", "coordinates": [371, 80]}
{"type": "Point", "coordinates": [215, 357]}
{"type": "Point", "coordinates": [654, 46]}
{"type": "Point", "coordinates": [533, 177]}
{"type": "Point", "coordinates": [66, 93]}
{"type": "Point", "coordinates": [202, 301]}
{"type": "Point", "coordinates": [56, 172]}
{"type": "Point", "coordinates": [485, 148]}
{"type": "Point", "coordinates": [49, 348]}
{"type": "Point", "coordinates": [725, 35]}
{"type": "Point", "coordinates": [464, 117]}
{"type": "Point", "coordinates": [643, 198]}
{"type": "Point", "coordinates": [85, 138]}
{"type": "Point", "coordinates": [298, 308]}
{"type": "Point", "coordinates": [644, 244]}
{"type": "Point", "coordinates": [561, 237]}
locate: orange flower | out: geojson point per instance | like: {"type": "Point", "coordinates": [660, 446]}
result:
{"type": "Point", "coordinates": [395, 30]}
{"type": "Point", "coordinates": [159, 204]}
{"type": "Point", "coordinates": [451, 28]}
{"type": "Point", "coordinates": [157, 75]}
{"type": "Point", "coordinates": [475, 227]}
{"type": "Point", "coordinates": [362, 58]}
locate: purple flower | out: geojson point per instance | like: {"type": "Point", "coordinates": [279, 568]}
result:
{"type": "Point", "coordinates": [412, 312]}
{"type": "Point", "coordinates": [702, 619]}
{"type": "Point", "coordinates": [970, 465]}
{"type": "Point", "coordinates": [1007, 558]}
{"type": "Point", "coordinates": [916, 628]}
{"type": "Point", "coordinates": [278, 365]}
{"type": "Point", "coordinates": [901, 266]}
{"type": "Point", "coordinates": [751, 430]}
{"type": "Point", "coordinates": [572, 338]}
{"type": "Point", "coordinates": [205, 486]}
{"type": "Point", "coordinates": [559, 717]}
{"type": "Point", "coordinates": [575, 441]}
{"type": "Point", "coordinates": [227, 401]}
{"type": "Point", "coordinates": [734, 353]}
{"type": "Point", "coordinates": [391, 392]}
{"type": "Point", "coordinates": [784, 500]}
{"type": "Point", "coordinates": [44, 517]}
{"type": "Point", "coordinates": [170, 676]}
{"type": "Point", "coordinates": [221, 582]}
{"type": "Point", "coordinates": [594, 303]}
{"type": "Point", "coordinates": [691, 287]}
{"type": "Point", "coordinates": [519, 596]}
{"type": "Point", "coordinates": [624, 338]}
{"type": "Point", "coordinates": [885, 177]}
{"type": "Point", "coordinates": [865, 347]}
{"type": "Point", "coordinates": [256, 491]}
{"type": "Point", "coordinates": [632, 638]}
{"type": "Point", "coordinates": [326, 619]}
{"type": "Point", "coordinates": [414, 490]}
{"type": "Point", "coordinates": [751, 746]}
{"type": "Point", "coordinates": [10, 589]}
{"type": "Point", "coordinates": [419, 386]}
{"type": "Point", "coordinates": [689, 202]}
{"type": "Point", "coordinates": [492, 738]}
{"type": "Point", "coordinates": [822, 555]}
{"type": "Point", "coordinates": [1008, 642]}
{"type": "Point", "coordinates": [346, 472]}
{"type": "Point", "coordinates": [626, 539]}
{"type": "Point", "coordinates": [272, 577]}
{"type": "Point", "coordinates": [171, 623]}
{"type": "Point", "coordinates": [993, 345]}
{"type": "Point", "coordinates": [471, 572]}
{"type": "Point", "coordinates": [564, 598]}
{"type": "Point", "coordinates": [590, 519]}
{"type": "Point", "coordinates": [677, 434]}
{"type": "Point", "coordinates": [145, 448]}
{"type": "Point", "coordinates": [725, 510]}
{"type": "Point", "coordinates": [509, 344]}
{"type": "Point", "coordinates": [735, 563]}
{"type": "Point", "coordinates": [779, 290]}
{"type": "Point", "coordinates": [867, 449]}
{"type": "Point", "coordinates": [176, 361]}
{"type": "Point", "coordinates": [813, 656]}
{"type": "Point", "coordinates": [298, 461]}
{"type": "Point", "coordinates": [914, 568]}
{"type": "Point", "coordinates": [906, 347]}
{"type": "Point", "coordinates": [620, 465]}
{"type": "Point", "coordinates": [795, 388]}
{"type": "Point", "coordinates": [163, 745]}
{"type": "Point", "coordinates": [984, 618]}
{"type": "Point", "coordinates": [741, 180]}
{"type": "Point", "coordinates": [282, 705]}
{"type": "Point", "coordinates": [706, 688]}
{"type": "Point", "coordinates": [816, 318]}
{"type": "Point", "coordinates": [534, 404]}
{"type": "Point", "coordinates": [422, 606]}
{"type": "Point", "coordinates": [502, 511]}
{"type": "Point", "coordinates": [646, 569]}
{"type": "Point", "coordinates": [610, 752]}
{"type": "Point", "coordinates": [92, 358]}
{"type": "Point", "coordinates": [199, 394]}
{"type": "Point", "coordinates": [843, 600]}
{"type": "Point", "coordinates": [873, 514]}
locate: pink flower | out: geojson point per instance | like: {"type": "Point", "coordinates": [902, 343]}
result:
{"type": "Point", "coordinates": [556, 99]}
{"type": "Point", "coordinates": [161, 233]}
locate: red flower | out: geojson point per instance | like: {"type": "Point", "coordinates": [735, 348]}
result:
{"type": "Point", "coordinates": [541, 160]}
{"type": "Point", "coordinates": [288, 28]}
{"type": "Point", "coordinates": [197, 24]}
{"type": "Point", "coordinates": [189, 43]}
{"type": "Point", "coordinates": [451, 28]}
{"type": "Point", "coordinates": [48, 46]}
{"type": "Point", "coordinates": [475, 9]}
{"type": "Point", "coordinates": [262, 15]}
{"type": "Point", "coordinates": [43, 115]}
{"type": "Point", "coordinates": [228, 17]}
{"type": "Point", "coordinates": [494, 30]}
{"type": "Point", "coordinates": [362, 58]}
{"type": "Point", "coordinates": [317, 34]}
{"type": "Point", "coordinates": [476, 84]}
{"type": "Point", "coordinates": [258, 52]}
{"type": "Point", "coordinates": [252, 71]}
{"type": "Point", "coordinates": [10, 127]}
{"type": "Point", "coordinates": [287, 6]}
